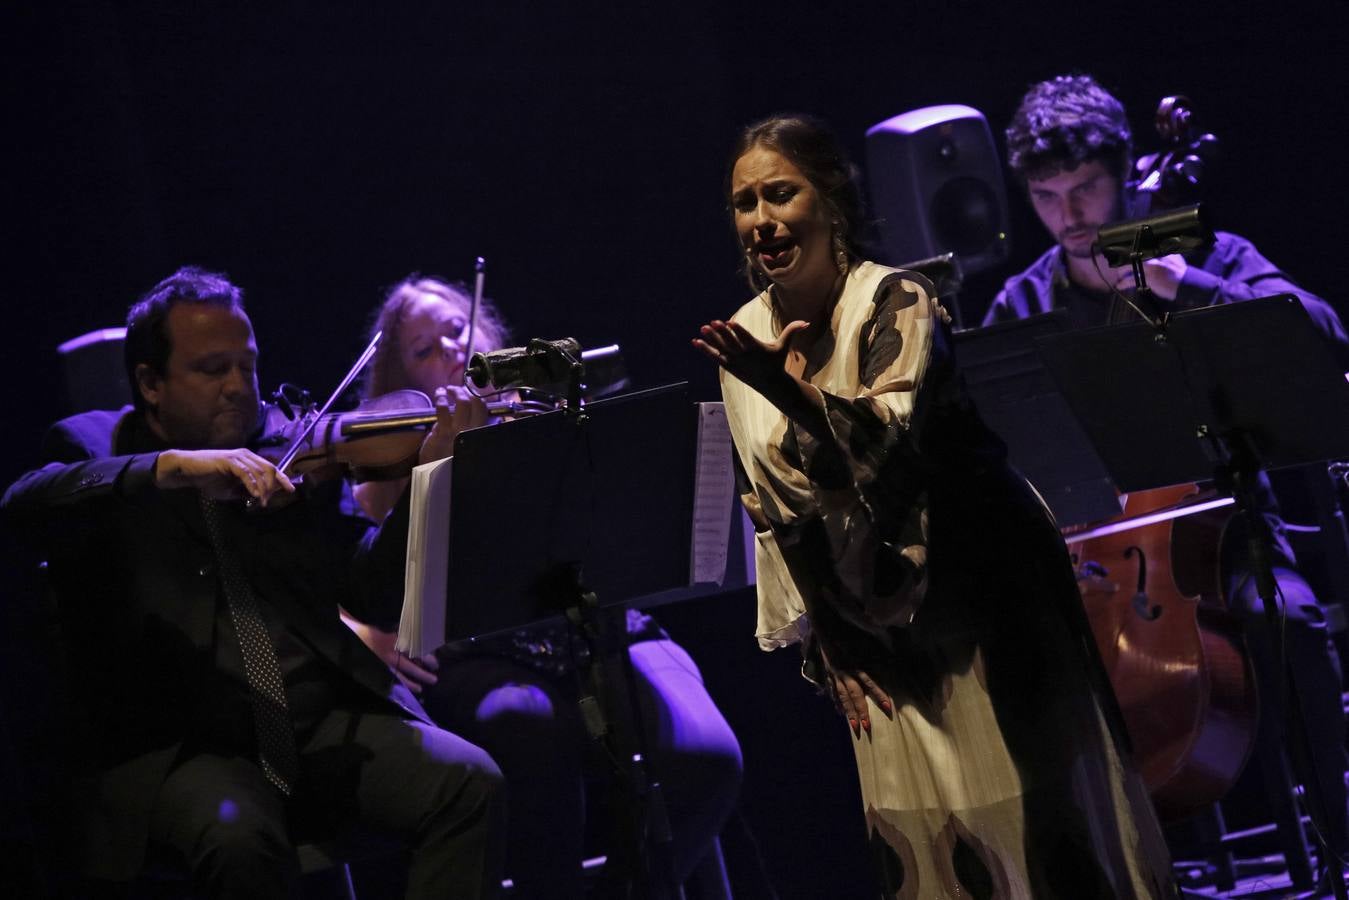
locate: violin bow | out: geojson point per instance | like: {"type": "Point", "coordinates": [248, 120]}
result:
{"type": "Point", "coordinates": [294, 449]}
{"type": "Point", "coordinates": [480, 276]}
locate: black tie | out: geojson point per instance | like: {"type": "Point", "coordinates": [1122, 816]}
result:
{"type": "Point", "coordinates": [276, 739]}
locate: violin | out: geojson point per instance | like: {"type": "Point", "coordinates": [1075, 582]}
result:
{"type": "Point", "coordinates": [379, 440]}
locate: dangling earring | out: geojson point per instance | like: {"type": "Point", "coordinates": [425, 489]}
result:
{"type": "Point", "coordinates": [757, 281]}
{"type": "Point", "coordinates": [840, 252]}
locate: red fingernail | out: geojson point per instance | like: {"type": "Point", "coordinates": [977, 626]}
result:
{"type": "Point", "coordinates": [885, 705]}
{"type": "Point", "coordinates": [852, 723]}
{"type": "Point", "coordinates": [866, 724]}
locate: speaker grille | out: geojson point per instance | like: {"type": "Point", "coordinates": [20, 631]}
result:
{"type": "Point", "coordinates": [965, 215]}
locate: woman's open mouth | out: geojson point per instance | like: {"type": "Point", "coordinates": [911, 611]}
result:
{"type": "Point", "coordinates": [775, 254]}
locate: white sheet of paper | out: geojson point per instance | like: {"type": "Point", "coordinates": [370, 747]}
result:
{"type": "Point", "coordinates": [421, 629]}
{"type": "Point", "coordinates": [713, 496]}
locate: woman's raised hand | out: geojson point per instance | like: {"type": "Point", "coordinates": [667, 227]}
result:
{"type": "Point", "coordinates": [466, 412]}
{"type": "Point", "coordinates": [754, 362]}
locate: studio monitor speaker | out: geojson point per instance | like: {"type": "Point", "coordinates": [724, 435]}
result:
{"type": "Point", "coordinates": [937, 187]}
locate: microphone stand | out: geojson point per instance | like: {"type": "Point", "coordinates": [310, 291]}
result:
{"type": "Point", "coordinates": [1146, 304]}
{"type": "Point", "coordinates": [1239, 474]}
{"type": "Point", "coordinates": [643, 857]}
{"type": "Point", "coordinates": [642, 862]}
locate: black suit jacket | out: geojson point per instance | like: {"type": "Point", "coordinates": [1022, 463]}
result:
{"type": "Point", "coordinates": [135, 582]}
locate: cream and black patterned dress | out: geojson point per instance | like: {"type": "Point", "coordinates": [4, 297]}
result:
{"type": "Point", "coordinates": [904, 544]}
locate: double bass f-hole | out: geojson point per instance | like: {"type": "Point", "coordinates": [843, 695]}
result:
{"type": "Point", "coordinates": [1145, 608]}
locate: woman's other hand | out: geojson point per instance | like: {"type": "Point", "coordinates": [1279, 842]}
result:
{"type": "Point", "coordinates": [466, 412]}
{"type": "Point", "coordinates": [850, 688]}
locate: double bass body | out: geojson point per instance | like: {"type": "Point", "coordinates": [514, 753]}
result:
{"type": "Point", "coordinates": [1174, 655]}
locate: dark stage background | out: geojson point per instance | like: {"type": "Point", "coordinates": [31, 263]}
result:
{"type": "Point", "coordinates": [318, 153]}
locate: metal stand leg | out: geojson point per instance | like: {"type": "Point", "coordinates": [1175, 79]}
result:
{"type": "Point", "coordinates": [1211, 826]}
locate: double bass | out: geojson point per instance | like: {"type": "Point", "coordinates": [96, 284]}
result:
{"type": "Point", "coordinates": [1151, 580]}
{"type": "Point", "coordinates": [1175, 656]}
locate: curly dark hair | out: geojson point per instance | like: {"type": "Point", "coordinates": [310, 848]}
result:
{"type": "Point", "coordinates": [1065, 122]}
{"type": "Point", "coordinates": [812, 147]}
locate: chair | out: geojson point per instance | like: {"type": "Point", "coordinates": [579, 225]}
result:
{"type": "Point", "coordinates": [94, 370]}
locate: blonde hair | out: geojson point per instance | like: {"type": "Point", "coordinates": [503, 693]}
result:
{"type": "Point", "coordinates": [385, 372]}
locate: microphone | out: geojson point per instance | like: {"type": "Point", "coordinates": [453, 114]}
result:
{"type": "Point", "coordinates": [540, 364]}
{"type": "Point", "coordinates": [1173, 231]}
{"type": "Point", "coordinates": [605, 372]}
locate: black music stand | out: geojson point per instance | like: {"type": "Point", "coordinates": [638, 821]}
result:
{"type": "Point", "coordinates": [1019, 400]}
{"type": "Point", "coordinates": [1222, 393]}
{"type": "Point", "coordinates": [553, 516]}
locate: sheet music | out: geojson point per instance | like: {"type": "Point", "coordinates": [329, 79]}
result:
{"type": "Point", "coordinates": [421, 629]}
{"type": "Point", "coordinates": [713, 496]}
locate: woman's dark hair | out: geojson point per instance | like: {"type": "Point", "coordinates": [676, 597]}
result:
{"type": "Point", "coordinates": [810, 146]}
{"type": "Point", "coordinates": [385, 372]}
{"type": "Point", "coordinates": [1065, 122]}
{"type": "Point", "coordinates": [147, 334]}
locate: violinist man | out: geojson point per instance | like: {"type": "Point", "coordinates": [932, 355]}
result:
{"type": "Point", "coordinates": [1069, 145]}
{"type": "Point", "coordinates": [224, 713]}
